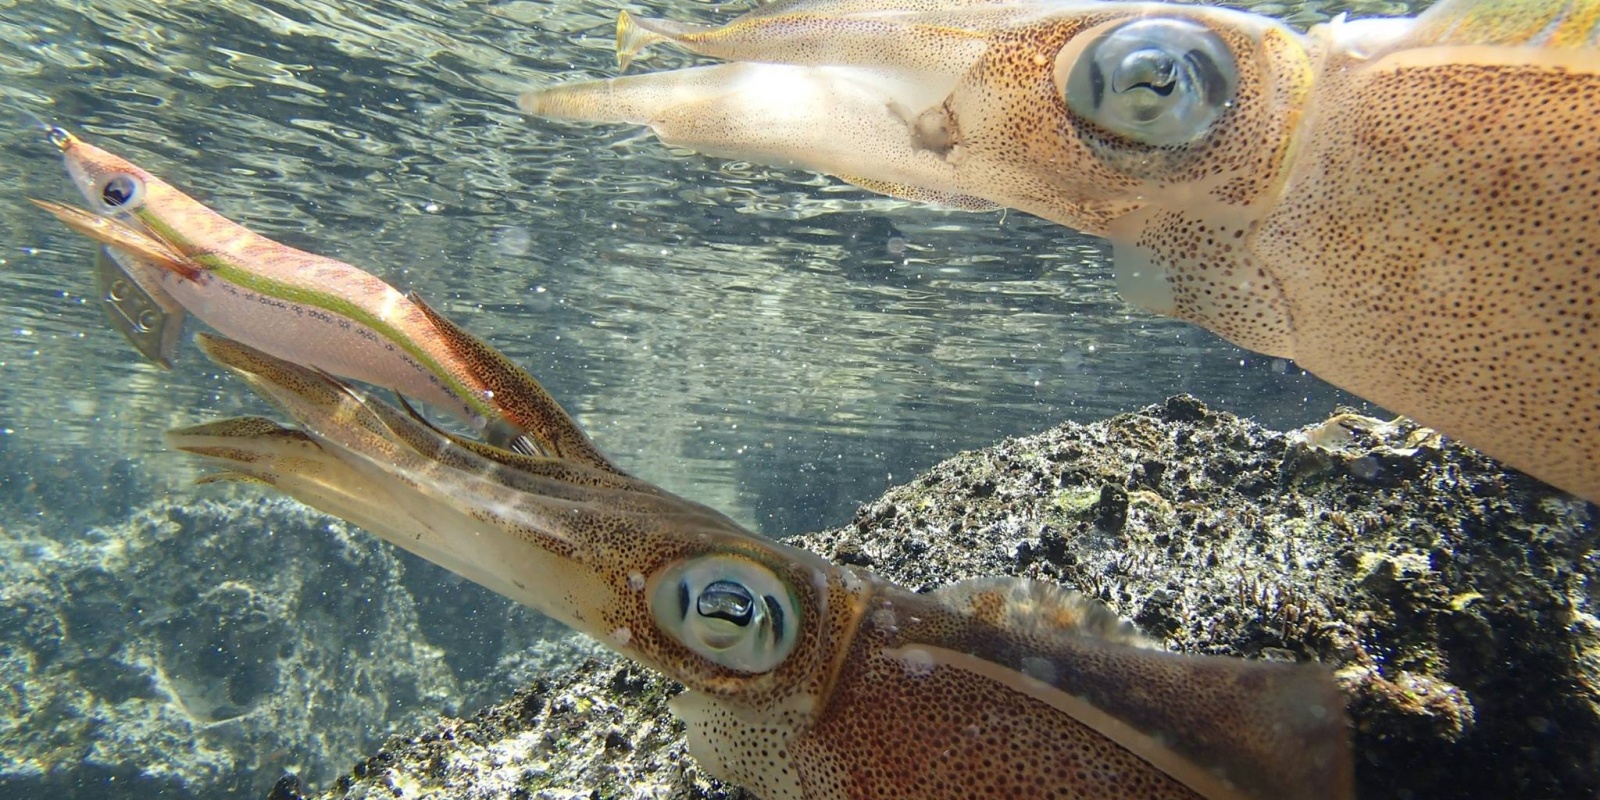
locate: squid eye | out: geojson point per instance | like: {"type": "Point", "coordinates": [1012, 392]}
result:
{"type": "Point", "coordinates": [1161, 82]}
{"type": "Point", "coordinates": [119, 192]}
{"type": "Point", "coordinates": [726, 600]}
{"type": "Point", "coordinates": [728, 609]}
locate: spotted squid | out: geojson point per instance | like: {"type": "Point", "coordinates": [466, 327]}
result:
{"type": "Point", "coordinates": [1408, 208]}
{"type": "Point", "coordinates": [805, 679]}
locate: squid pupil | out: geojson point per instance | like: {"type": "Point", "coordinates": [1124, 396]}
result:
{"type": "Point", "coordinates": [776, 612]}
{"type": "Point", "coordinates": [1211, 77]}
{"type": "Point", "coordinates": [728, 601]}
{"type": "Point", "coordinates": [1157, 69]}
{"type": "Point", "coordinates": [118, 191]}
{"type": "Point", "coordinates": [1163, 89]}
{"type": "Point", "coordinates": [683, 599]}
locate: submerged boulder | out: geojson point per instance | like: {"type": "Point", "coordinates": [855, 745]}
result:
{"type": "Point", "coordinates": [201, 650]}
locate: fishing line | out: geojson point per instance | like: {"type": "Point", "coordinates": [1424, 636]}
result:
{"type": "Point", "coordinates": [53, 133]}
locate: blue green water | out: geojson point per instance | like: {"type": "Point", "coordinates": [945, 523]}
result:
{"type": "Point", "coordinates": [772, 343]}
{"type": "Point", "coordinates": [776, 343]}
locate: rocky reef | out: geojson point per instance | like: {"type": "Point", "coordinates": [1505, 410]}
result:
{"type": "Point", "coordinates": [202, 650]}
{"type": "Point", "coordinates": [1454, 599]}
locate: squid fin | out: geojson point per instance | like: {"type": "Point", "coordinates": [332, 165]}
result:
{"type": "Point", "coordinates": [1201, 720]}
{"type": "Point", "coordinates": [917, 194]}
{"type": "Point", "coordinates": [232, 476]}
{"type": "Point", "coordinates": [1565, 24]}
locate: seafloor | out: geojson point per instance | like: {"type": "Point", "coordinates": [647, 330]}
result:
{"type": "Point", "coordinates": [1454, 598]}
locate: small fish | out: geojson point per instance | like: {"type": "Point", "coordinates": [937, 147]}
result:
{"type": "Point", "coordinates": [1405, 206]}
{"type": "Point", "coordinates": [314, 310]}
{"type": "Point", "coordinates": [806, 680]}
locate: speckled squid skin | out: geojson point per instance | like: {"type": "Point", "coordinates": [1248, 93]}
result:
{"type": "Point", "coordinates": [986, 688]}
{"type": "Point", "coordinates": [1406, 207]}
{"type": "Point", "coordinates": [1438, 240]}
{"type": "Point", "coordinates": [935, 701]}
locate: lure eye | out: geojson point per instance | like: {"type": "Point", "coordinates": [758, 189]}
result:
{"type": "Point", "coordinates": [119, 192]}
{"type": "Point", "coordinates": [1158, 81]}
{"type": "Point", "coordinates": [731, 610]}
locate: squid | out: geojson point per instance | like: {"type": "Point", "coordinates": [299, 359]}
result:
{"type": "Point", "coordinates": [805, 679]}
{"type": "Point", "coordinates": [1405, 207]}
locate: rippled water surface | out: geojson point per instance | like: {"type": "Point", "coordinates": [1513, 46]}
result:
{"type": "Point", "coordinates": [771, 342]}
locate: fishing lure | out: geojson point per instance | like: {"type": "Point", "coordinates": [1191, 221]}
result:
{"type": "Point", "coordinates": [168, 253]}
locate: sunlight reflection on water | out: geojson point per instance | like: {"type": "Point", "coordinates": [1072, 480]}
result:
{"type": "Point", "coordinates": [767, 341]}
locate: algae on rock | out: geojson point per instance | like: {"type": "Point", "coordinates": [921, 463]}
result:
{"type": "Point", "coordinates": [198, 651]}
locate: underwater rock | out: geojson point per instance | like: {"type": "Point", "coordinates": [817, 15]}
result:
{"type": "Point", "coordinates": [1453, 597]}
{"type": "Point", "coordinates": [600, 730]}
{"type": "Point", "coordinates": [202, 650]}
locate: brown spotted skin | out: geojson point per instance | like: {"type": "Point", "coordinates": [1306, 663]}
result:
{"type": "Point", "coordinates": [934, 746]}
{"type": "Point", "coordinates": [1439, 246]}
{"type": "Point", "coordinates": [1185, 209]}
{"type": "Point", "coordinates": [520, 398]}
{"type": "Point", "coordinates": [937, 733]}
{"type": "Point", "coordinates": [1017, 143]}
{"type": "Point", "coordinates": [1403, 206]}
{"type": "Point", "coordinates": [1215, 280]}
